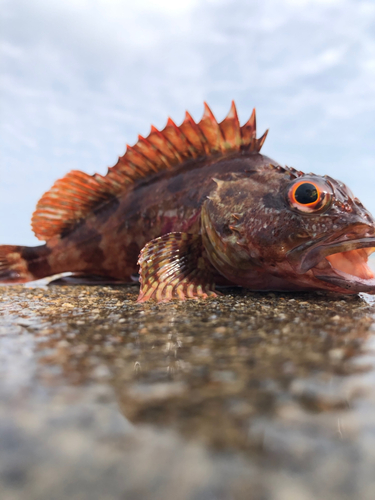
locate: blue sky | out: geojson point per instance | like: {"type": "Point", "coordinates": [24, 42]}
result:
{"type": "Point", "coordinates": [80, 79]}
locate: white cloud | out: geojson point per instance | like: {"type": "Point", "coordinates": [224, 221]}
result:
{"type": "Point", "coordinates": [82, 78]}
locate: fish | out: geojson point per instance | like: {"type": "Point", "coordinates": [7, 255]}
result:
{"type": "Point", "coordinates": [196, 207]}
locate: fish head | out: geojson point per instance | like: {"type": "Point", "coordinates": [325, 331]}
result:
{"type": "Point", "coordinates": [276, 228]}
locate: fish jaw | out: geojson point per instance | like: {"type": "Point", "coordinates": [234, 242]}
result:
{"type": "Point", "coordinates": [348, 271]}
{"type": "Point", "coordinates": [337, 264]}
{"type": "Point", "coordinates": [340, 263]}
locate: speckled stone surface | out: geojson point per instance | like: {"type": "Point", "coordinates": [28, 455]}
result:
{"type": "Point", "coordinates": [245, 396]}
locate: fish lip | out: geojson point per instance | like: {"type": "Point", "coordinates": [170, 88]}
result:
{"type": "Point", "coordinates": [347, 282]}
{"type": "Point", "coordinates": [307, 256]}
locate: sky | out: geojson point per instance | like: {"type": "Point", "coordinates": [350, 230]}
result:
{"type": "Point", "coordinates": [79, 79]}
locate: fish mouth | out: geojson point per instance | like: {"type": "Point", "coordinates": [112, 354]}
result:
{"type": "Point", "coordinates": [342, 262]}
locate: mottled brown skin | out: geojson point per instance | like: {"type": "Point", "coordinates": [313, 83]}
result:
{"type": "Point", "coordinates": [258, 241]}
{"type": "Point", "coordinates": [196, 206]}
{"type": "Point", "coordinates": [251, 236]}
{"type": "Point", "coordinates": [109, 240]}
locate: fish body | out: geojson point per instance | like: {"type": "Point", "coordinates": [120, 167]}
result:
{"type": "Point", "coordinates": [196, 206]}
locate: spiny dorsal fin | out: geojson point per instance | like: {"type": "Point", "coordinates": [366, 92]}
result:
{"type": "Point", "coordinates": [75, 195]}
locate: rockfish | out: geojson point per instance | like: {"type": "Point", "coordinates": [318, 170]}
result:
{"type": "Point", "coordinates": [197, 206]}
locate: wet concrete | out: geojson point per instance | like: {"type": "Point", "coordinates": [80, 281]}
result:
{"type": "Point", "coordinates": [245, 396]}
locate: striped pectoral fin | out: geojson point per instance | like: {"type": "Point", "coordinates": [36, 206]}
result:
{"type": "Point", "coordinates": [174, 267]}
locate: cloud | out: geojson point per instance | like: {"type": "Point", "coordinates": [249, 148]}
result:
{"type": "Point", "coordinates": [79, 79]}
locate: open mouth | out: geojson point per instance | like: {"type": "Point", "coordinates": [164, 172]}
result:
{"type": "Point", "coordinates": [353, 262]}
{"type": "Point", "coordinates": [342, 262]}
{"type": "Point", "coordinates": [348, 271]}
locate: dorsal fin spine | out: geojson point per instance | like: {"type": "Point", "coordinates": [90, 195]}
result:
{"type": "Point", "coordinates": [75, 195]}
{"type": "Point", "coordinates": [248, 131]}
{"type": "Point", "coordinates": [127, 168]}
{"type": "Point", "coordinates": [139, 152]}
{"type": "Point", "coordinates": [192, 135]}
{"type": "Point", "coordinates": [118, 176]}
{"type": "Point", "coordinates": [201, 137]}
{"type": "Point", "coordinates": [162, 144]}
{"type": "Point", "coordinates": [150, 152]}
{"type": "Point", "coordinates": [211, 130]}
{"type": "Point", "coordinates": [230, 128]}
{"type": "Point", "coordinates": [137, 159]}
{"type": "Point", "coordinates": [207, 113]}
{"type": "Point", "coordinates": [261, 140]}
{"type": "Point", "coordinates": [173, 148]}
{"type": "Point", "coordinates": [177, 138]}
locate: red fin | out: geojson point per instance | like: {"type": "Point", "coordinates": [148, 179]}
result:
{"type": "Point", "coordinates": [149, 151]}
{"type": "Point", "coordinates": [249, 130]}
{"type": "Point", "coordinates": [173, 267]}
{"type": "Point", "coordinates": [261, 140]}
{"type": "Point", "coordinates": [163, 146]}
{"type": "Point", "coordinates": [175, 136]}
{"type": "Point", "coordinates": [194, 136]}
{"type": "Point", "coordinates": [141, 163]}
{"type": "Point", "coordinates": [69, 200]}
{"type": "Point", "coordinates": [230, 128]}
{"type": "Point", "coordinates": [211, 131]}
{"type": "Point", "coordinates": [74, 196]}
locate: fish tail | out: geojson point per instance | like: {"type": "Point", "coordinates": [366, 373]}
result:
{"type": "Point", "coordinates": [19, 264]}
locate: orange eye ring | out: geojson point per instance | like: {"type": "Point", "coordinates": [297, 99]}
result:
{"type": "Point", "coordinates": [307, 194]}
{"type": "Point", "coordinates": [310, 195]}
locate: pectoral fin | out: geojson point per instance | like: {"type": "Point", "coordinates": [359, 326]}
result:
{"type": "Point", "coordinates": [174, 267]}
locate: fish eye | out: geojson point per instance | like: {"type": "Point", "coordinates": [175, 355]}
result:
{"type": "Point", "coordinates": [306, 193]}
{"type": "Point", "coordinates": [310, 195]}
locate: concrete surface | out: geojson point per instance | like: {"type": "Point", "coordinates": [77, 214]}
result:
{"type": "Point", "coordinates": [245, 396]}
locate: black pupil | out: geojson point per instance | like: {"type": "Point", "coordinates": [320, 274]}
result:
{"type": "Point", "coordinates": [306, 193]}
